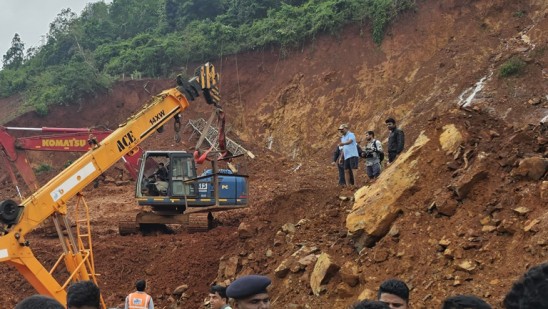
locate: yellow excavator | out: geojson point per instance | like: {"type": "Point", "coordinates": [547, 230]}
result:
{"type": "Point", "coordinates": [50, 201]}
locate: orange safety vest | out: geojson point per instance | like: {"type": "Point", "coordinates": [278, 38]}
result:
{"type": "Point", "coordinates": [138, 300]}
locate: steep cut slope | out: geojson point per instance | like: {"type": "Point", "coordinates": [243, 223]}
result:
{"type": "Point", "coordinates": [464, 211]}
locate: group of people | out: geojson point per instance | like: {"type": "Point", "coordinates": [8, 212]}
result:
{"type": "Point", "coordinates": [348, 151]}
{"type": "Point", "coordinates": [86, 295]}
{"type": "Point", "coordinates": [251, 292]}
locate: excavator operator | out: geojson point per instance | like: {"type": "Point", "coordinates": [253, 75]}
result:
{"type": "Point", "coordinates": [161, 172]}
{"type": "Point", "coordinates": [158, 182]}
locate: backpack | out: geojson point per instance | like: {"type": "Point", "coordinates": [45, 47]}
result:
{"type": "Point", "coordinates": [360, 150]}
{"type": "Point", "coordinates": [380, 153]}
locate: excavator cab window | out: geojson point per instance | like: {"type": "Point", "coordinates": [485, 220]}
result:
{"type": "Point", "coordinates": [183, 170]}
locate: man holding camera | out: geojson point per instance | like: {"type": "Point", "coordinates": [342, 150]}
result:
{"type": "Point", "coordinates": [372, 156]}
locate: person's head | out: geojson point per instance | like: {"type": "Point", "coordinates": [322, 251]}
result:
{"type": "Point", "coordinates": [530, 290]}
{"type": "Point", "coordinates": [83, 295]}
{"type": "Point", "coordinates": [370, 304]}
{"type": "Point", "coordinates": [249, 292]}
{"type": "Point", "coordinates": [369, 135]}
{"type": "Point", "coordinates": [464, 302]}
{"type": "Point", "coordinates": [343, 128]}
{"type": "Point", "coordinates": [217, 296]}
{"type": "Point", "coordinates": [390, 123]}
{"type": "Point", "coordinates": [39, 302]}
{"type": "Point", "coordinates": [141, 285]}
{"type": "Point", "coordinates": [160, 164]}
{"type": "Point", "coordinates": [394, 293]}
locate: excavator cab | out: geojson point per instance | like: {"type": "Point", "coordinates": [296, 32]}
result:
{"type": "Point", "coordinates": [172, 192]}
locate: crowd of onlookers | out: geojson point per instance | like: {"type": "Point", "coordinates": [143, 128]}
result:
{"type": "Point", "coordinates": [251, 292]}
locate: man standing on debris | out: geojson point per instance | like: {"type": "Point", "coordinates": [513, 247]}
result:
{"type": "Point", "coordinates": [249, 292]}
{"type": "Point", "coordinates": [372, 152]}
{"type": "Point", "coordinates": [396, 140]}
{"type": "Point", "coordinates": [338, 159]}
{"type": "Point", "coordinates": [350, 152]}
{"type": "Point", "coordinates": [218, 298]}
{"type": "Point", "coordinates": [139, 299]}
{"type": "Point", "coordinates": [394, 293]}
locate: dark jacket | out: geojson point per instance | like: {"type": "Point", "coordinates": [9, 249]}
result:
{"type": "Point", "coordinates": [336, 154]}
{"type": "Point", "coordinates": [396, 141]}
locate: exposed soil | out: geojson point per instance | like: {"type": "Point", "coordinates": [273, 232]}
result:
{"type": "Point", "coordinates": [292, 101]}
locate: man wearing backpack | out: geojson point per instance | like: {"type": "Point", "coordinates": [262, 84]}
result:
{"type": "Point", "coordinates": [373, 155]}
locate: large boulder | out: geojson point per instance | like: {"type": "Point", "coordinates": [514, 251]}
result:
{"type": "Point", "coordinates": [377, 206]}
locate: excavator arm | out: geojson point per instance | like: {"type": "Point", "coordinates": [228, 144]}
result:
{"type": "Point", "coordinates": [51, 199]}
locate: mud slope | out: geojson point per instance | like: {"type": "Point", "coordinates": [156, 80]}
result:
{"type": "Point", "coordinates": [465, 206]}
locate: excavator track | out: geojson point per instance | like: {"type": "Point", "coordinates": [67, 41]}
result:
{"type": "Point", "coordinates": [128, 228]}
{"type": "Point", "coordinates": [200, 222]}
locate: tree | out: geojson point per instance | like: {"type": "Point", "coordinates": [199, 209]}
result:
{"type": "Point", "coordinates": [14, 57]}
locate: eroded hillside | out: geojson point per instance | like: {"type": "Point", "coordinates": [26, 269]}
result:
{"type": "Point", "coordinates": [462, 211]}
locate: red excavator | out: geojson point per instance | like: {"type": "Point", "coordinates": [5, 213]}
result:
{"type": "Point", "coordinates": [12, 149]}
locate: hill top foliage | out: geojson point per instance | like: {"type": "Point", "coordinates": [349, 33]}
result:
{"type": "Point", "coordinates": [85, 54]}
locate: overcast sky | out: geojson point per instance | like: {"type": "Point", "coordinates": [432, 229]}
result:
{"type": "Point", "coordinates": [31, 19]}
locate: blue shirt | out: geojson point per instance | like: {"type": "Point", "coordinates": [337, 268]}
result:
{"type": "Point", "coordinates": [350, 150]}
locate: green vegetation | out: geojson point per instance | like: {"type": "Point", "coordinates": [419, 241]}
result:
{"type": "Point", "coordinates": [42, 168]}
{"type": "Point", "coordinates": [85, 54]}
{"type": "Point", "coordinates": [512, 66]}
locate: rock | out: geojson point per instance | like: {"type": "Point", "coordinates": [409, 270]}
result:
{"type": "Point", "coordinates": [349, 273]}
{"type": "Point", "coordinates": [324, 270]}
{"type": "Point", "coordinates": [230, 267]}
{"type": "Point", "coordinates": [120, 183]}
{"type": "Point", "coordinates": [467, 265]}
{"type": "Point", "coordinates": [282, 270]}
{"type": "Point", "coordinates": [507, 226]}
{"type": "Point", "coordinates": [464, 184]}
{"type": "Point", "coordinates": [450, 138]}
{"type": "Point", "coordinates": [180, 289]}
{"type": "Point", "coordinates": [493, 134]}
{"type": "Point", "coordinates": [544, 191]}
{"type": "Point", "coordinates": [445, 205]}
{"type": "Point", "coordinates": [380, 256]}
{"type": "Point", "coordinates": [268, 253]}
{"type": "Point", "coordinates": [452, 165]}
{"type": "Point", "coordinates": [448, 253]}
{"type": "Point", "coordinates": [485, 220]}
{"type": "Point", "coordinates": [245, 231]}
{"type": "Point", "coordinates": [522, 210]}
{"type": "Point", "coordinates": [288, 228]}
{"type": "Point", "coordinates": [488, 228]}
{"type": "Point", "coordinates": [529, 226]}
{"type": "Point", "coordinates": [343, 291]}
{"type": "Point", "coordinates": [535, 101]}
{"type": "Point", "coordinates": [367, 294]}
{"type": "Point", "coordinates": [394, 231]}
{"type": "Point", "coordinates": [444, 242]}
{"type": "Point", "coordinates": [532, 168]}
{"type": "Point", "coordinates": [302, 222]}
{"type": "Point", "coordinates": [307, 260]}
